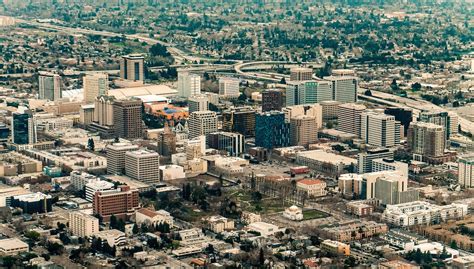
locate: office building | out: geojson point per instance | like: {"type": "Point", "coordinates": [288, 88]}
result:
{"type": "Point", "coordinates": [342, 72]}
{"type": "Point", "coordinates": [336, 247]}
{"type": "Point", "coordinates": [132, 67]}
{"type": "Point", "coordinates": [232, 143]}
{"type": "Point", "coordinates": [439, 118]}
{"type": "Point", "coordinates": [313, 110]}
{"type": "Point", "coordinates": [325, 162]}
{"type": "Point", "coordinates": [466, 171]}
{"type": "Point", "coordinates": [380, 130]}
{"type": "Point", "coordinates": [33, 203]}
{"type": "Point", "coordinates": [344, 88]}
{"type": "Point", "coordinates": [127, 116]}
{"type": "Point", "coordinates": [239, 120]}
{"type": "Point", "coordinates": [229, 87]}
{"type": "Point", "coordinates": [426, 140]}
{"type": "Point", "coordinates": [198, 103]}
{"type": "Point", "coordinates": [202, 123]}
{"type": "Point", "coordinates": [143, 165]}
{"type": "Point", "coordinates": [307, 92]}
{"type": "Point", "coordinates": [330, 109]}
{"type": "Point", "coordinates": [303, 131]}
{"type": "Point", "coordinates": [349, 118]}
{"type": "Point", "coordinates": [104, 110]}
{"type": "Point", "coordinates": [403, 115]}
{"type": "Point", "coordinates": [116, 157]}
{"type": "Point", "coordinates": [80, 179]}
{"type": "Point", "coordinates": [312, 187]}
{"type": "Point", "coordinates": [301, 73]}
{"type": "Point", "coordinates": [112, 237]}
{"type": "Point", "coordinates": [23, 128]}
{"type": "Point", "coordinates": [272, 99]}
{"type": "Point", "coordinates": [95, 85]}
{"type": "Point", "coordinates": [189, 84]}
{"type": "Point", "coordinates": [12, 247]}
{"type": "Point", "coordinates": [121, 202]}
{"type": "Point", "coordinates": [364, 159]}
{"type": "Point", "coordinates": [96, 185]}
{"type": "Point", "coordinates": [86, 114]}
{"type": "Point", "coordinates": [271, 130]}
{"type": "Point", "coordinates": [166, 142]}
{"type": "Point", "coordinates": [82, 224]}
{"type": "Point", "coordinates": [387, 164]}
{"type": "Point", "coordinates": [49, 86]}
{"type": "Point", "coordinates": [422, 213]}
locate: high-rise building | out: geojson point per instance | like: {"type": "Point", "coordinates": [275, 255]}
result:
{"type": "Point", "coordinates": [49, 86]}
{"type": "Point", "coordinates": [23, 128]}
{"type": "Point", "coordinates": [301, 73]}
{"type": "Point", "coordinates": [239, 120]}
{"type": "Point", "coordinates": [202, 123]}
{"type": "Point", "coordinates": [344, 88]}
{"type": "Point", "coordinates": [143, 165]}
{"type": "Point", "coordinates": [303, 130]}
{"type": "Point", "coordinates": [349, 118]}
{"type": "Point", "coordinates": [121, 202]}
{"type": "Point", "coordinates": [330, 109]}
{"type": "Point", "coordinates": [440, 118]}
{"type": "Point", "coordinates": [198, 103]}
{"type": "Point", "coordinates": [128, 118]}
{"type": "Point", "coordinates": [104, 110]}
{"type": "Point", "coordinates": [95, 185]}
{"type": "Point", "coordinates": [271, 130]}
{"type": "Point", "coordinates": [233, 143]}
{"type": "Point", "coordinates": [95, 85]}
{"type": "Point", "coordinates": [229, 87]}
{"type": "Point", "coordinates": [364, 159]}
{"type": "Point", "coordinates": [167, 142]}
{"type": "Point", "coordinates": [189, 84]}
{"type": "Point", "coordinates": [380, 130]}
{"type": "Point", "coordinates": [314, 110]}
{"type": "Point", "coordinates": [403, 115]}
{"type": "Point", "coordinates": [82, 224]}
{"type": "Point", "coordinates": [116, 157]}
{"type": "Point", "coordinates": [132, 67]}
{"type": "Point", "coordinates": [80, 179]}
{"type": "Point", "coordinates": [307, 92]}
{"type": "Point", "coordinates": [86, 114]}
{"type": "Point", "coordinates": [426, 139]}
{"type": "Point", "coordinates": [272, 99]}
{"type": "Point", "coordinates": [466, 171]}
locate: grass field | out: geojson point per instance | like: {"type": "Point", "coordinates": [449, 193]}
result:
{"type": "Point", "coordinates": [314, 214]}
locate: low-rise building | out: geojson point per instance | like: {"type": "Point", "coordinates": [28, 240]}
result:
{"type": "Point", "coordinates": [12, 246]}
{"type": "Point", "coordinates": [354, 230]}
{"type": "Point", "coordinates": [336, 247]}
{"type": "Point", "coordinates": [325, 162]}
{"type": "Point", "coordinates": [466, 262]}
{"type": "Point", "coordinates": [113, 237]}
{"type": "Point", "coordinates": [265, 229]}
{"type": "Point", "coordinates": [151, 217]}
{"type": "Point", "coordinates": [33, 203]}
{"type": "Point", "coordinates": [192, 237]}
{"type": "Point", "coordinates": [249, 217]}
{"type": "Point", "coordinates": [312, 187]}
{"type": "Point", "coordinates": [293, 213]}
{"type": "Point", "coordinates": [219, 224]}
{"type": "Point", "coordinates": [171, 172]}
{"type": "Point", "coordinates": [396, 264]}
{"type": "Point", "coordinates": [359, 208]}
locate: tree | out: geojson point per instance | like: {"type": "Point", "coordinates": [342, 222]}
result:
{"type": "Point", "coordinates": [91, 144]}
{"type": "Point", "coordinates": [394, 85]}
{"type": "Point", "coordinates": [283, 81]}
{"type": "Point", "coordinates": [113, 222]}
{"type": "Point", "coordinates": [33, 235]}
{"type": "Point", "coordinates": [159, 50]}
{"type": "Point", "coordinates": [261, 257]}
{"type": "Point", "coordinates": [368, 93]}
{"type": "Point", "coordinates": [257, 197]}
{"type": "Point", "coordinates": [415, 86]}
{"type": "Point", "coordinates": [135, 229]}
{"type": "Point", "coordinates": [454, 245]}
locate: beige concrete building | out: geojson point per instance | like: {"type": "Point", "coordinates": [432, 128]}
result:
{"type": "Point", "coordinates": [131, 67]}
{"type": "Point", "coordinates": [301, 73]}
{"type": "Point", "coordinates": [143, 165]}
{"type": "Point", "coordinates": [313, 187]}
{"type": "Point", "coordinates": [349, 118]}
{"type": "Point", "coordinates": [219, 224]}
{"type": "Point", "coordinates": [95, 85]}
{"type": "Point", "coordinates": [202, 123]}
{"type": "Point", "coordinates": [104, 110]}
{"type": "Point", "coordinates": [82, 224]}
{"type": "Point", "coordinates": [303, 130]}
{"type": "Point", "coordinates": [151, 217]}
{"type": "Point", "coordinates": [336, 247]}
{"type": "Point", "coordinates": [466, 171]}
{"type": "Point", "coordinates": [12, 246]}
{"type": "Point", "coordinates": [116, 157]}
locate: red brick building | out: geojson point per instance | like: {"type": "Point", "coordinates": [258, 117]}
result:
{"type": "Point", "coordinates": [121, 202]}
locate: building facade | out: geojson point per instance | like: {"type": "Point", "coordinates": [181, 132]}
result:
{"type": "Point", "coordinates": [271, 130]}
{"type": "Point", "coordinates": [143, 165]}
{"type": "Point", "coordinates": [49, 86]}
{"type": "Point", "coordinates": [239, 120]}
{"type": "Point", "coordinates": [82, 224]}
{"type": "Point", "coordinates": [349, 118]}
{"type": "Point", "coordinates": [466, 171]}
{"type": "Point", "coordinates": [120, 202]}
{"type": "Point", "coordinates": [116, 157]}
{"type": "Point", "coordinates": [132, 67]}
{"type": "Point", "coordinates": [380, 130]}
{"type": "Point", "coordinates": [95, 85]}
{"type": "Point", "coordinates": [229, 87]}
{"type": "Point", "coordinates": [189, 84]}
{"type": "Point", "coordinates": [128, 118]}
{"type": "Point", "coordinates": [202, 123]}
{"type": "Point", "coordinates": [272, 99]}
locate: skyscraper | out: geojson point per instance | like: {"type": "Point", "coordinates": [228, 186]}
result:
{"type": "Point", "coordinates": [466, 171]}
{"type": "Point", "coordinates": [378, 129]}
{"type": "Point", "coordinates": [349, 118]}
{"type": "Point", "coordinates": [364, 159]}
{"type": "Point", "coordinates": [104, 110]}
{"type": "Point", "coordinates": [198, 103]}
{"type": "Point", "coordinates": [272, 99]}
{"type": "Point", "coordinates": [128, 118]}
{"type": "Point", "coordinates": [94, 86]}
{"type": "Point", "coordinates": [49, 86]}
{"type": "Point", "coordinates": [240, 120]}
{"type": "Point", "coordinates": [23, 128]}
{"type": "Point", "coordinates": [344, 88]}
{"type": "Point", "coordinates": [271, 130]}
{"type": "Point", "coordinates": [202, 123]}
{"type": "Point", "coordinates": [403, 115]}
{"type": "Point", "coordinates": [426, 139]}
{"type": "Point", "coordinates": [314, 110]}
{"type": "Point", "coordinates": [307, 92]}
{"type": "Point", "coordinates": [233, 143]}
{"type": "Point", "coordinates": [440, 118]}
{"type": "Point", "coordinates": [189, 84]}
{"type": "Point", "coordinates": [301, 73]}
{"type": "Point", "coordinates": [229, 87]}
{"type": "Point", "coordinates": [131, 67]}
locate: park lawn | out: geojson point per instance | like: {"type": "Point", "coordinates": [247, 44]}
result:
{"type": "Point", "coordinates": [314, 214]}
